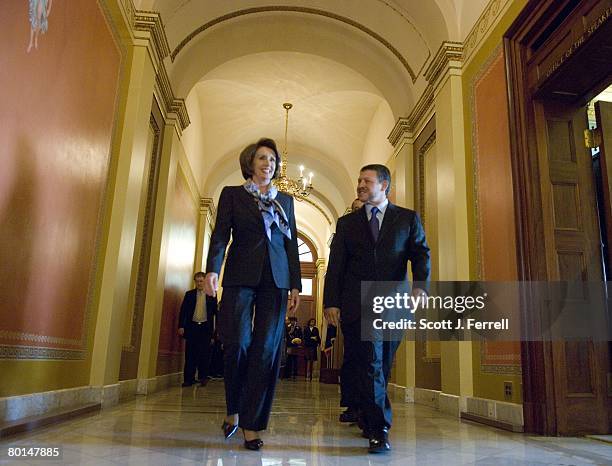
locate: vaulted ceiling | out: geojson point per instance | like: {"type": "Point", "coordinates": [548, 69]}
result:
{"type": "Point", "coordinates": [350, 67]}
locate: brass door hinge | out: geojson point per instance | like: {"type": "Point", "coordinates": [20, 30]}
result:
{"type": "Point", "coordinates": [592, 138]}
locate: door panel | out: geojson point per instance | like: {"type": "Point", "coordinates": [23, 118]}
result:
{"type": "Point", "coordinates": [603, 114]}
{"type": "Point", "coordinates": [573, 253]}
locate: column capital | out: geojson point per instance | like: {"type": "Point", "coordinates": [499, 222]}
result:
{"type": "Point", "coordinates": [449, 57]}
{"type": "Point", "coordinates": [207, 207]}
{"type": "Point", "coordinates": [406, 127]}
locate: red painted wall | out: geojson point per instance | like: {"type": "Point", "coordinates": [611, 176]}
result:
{"type": "Point", "coordinates": [495, 193]}
{"type": "Point", "coordinates": [179, 274]}
{"type": "Point", "coordinates": [56, 119]}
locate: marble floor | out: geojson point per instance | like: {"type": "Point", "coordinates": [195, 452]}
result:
{"type": "Point", "coordinates": [182, 426]}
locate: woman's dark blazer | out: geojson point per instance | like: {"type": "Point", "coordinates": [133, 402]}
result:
{"type": "Point", "coordinates": [238, 214]}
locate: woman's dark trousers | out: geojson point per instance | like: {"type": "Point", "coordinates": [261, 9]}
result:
{"type": "Point", "coordinates": [252, 322]}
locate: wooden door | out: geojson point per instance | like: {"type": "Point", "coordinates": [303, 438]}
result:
{"type": "Point", "coordinates": [603, 114]}
{"type": "Point", "coordinates": [573, 254]}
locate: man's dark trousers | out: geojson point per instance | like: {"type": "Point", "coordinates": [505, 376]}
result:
{"type": "Point", "coordinates": [197, 352]}
{"type": "Point", "coordinates": [349, 372]}
{"type": "Point", "coordinates": [376, 361]}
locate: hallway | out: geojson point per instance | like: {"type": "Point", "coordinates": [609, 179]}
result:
{"type": "Point", "coordinates": [181, 426]}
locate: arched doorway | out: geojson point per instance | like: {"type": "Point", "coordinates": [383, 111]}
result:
{"type": "Point", "coordinates": [308, 258]}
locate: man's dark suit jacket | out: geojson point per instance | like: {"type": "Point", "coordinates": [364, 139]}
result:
{"type": "Point", "coordinates": [354, 257]}
{"type": "Point", "coordinates": [239, 214]}
{"type": "Point", "coordinates": [188, 308]}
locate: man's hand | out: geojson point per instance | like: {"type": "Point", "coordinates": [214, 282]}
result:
{"type": "Point", "coordinates": [211, 282]}
{"type": "Point", "coordinates": [181, 332]}
{"type": "Point", "coordinates": [332, 314]}
{"type": "Point", "coordinates": [294, 301]}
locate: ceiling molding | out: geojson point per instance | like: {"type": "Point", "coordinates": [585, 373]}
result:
{"type": "Point", "coordinates": [150, 23]}
{"type": "Point", "coordinates": [405, 126]}
{"type": "Point", "coordinates": [292, 9]}
{"type": "Point", "coordinates": [449, 56]}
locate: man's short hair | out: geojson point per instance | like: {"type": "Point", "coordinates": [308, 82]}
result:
{"type": "Point", "coordinates": [248, 155]}
{"type": "Point", "coordinates": [198, 274]}
{"type": "Point", "coordinates": [382, 173]}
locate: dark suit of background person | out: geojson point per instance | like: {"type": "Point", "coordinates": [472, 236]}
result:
{"type": "Point", "coordinates": [259, 272]}
{"type": "Point", "coordinates": [292, 331]}
{"type": "Point", "coordinates": [355, 256]}
{"type": "Point", "coordinates": [312, 340]}
{"type": "Point", "coordinates": [197, 334]}
{"type": "Point", "coordinates": [349, 369]}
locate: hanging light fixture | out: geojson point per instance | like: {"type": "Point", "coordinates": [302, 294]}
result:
{"type": "Point", "coordinates": [300, 188]}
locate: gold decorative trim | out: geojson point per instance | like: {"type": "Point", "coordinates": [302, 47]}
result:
{"type": "Point", "coordinates": [10, 335]}
{"type": "Point", "coordinates": [151, 22]}
{"type": "Point", "coordinates": [294, 9]}
{"type": "Point", "coordinates": [421, 174]}
{"type": "Point", "coordinates": [171, 104]}
{"type": "Point", "coordinates": [488, 18]}
{"type": "Point", "coordinates": [449, 56]}
{"type": "Point", "coordinates": [407, 125]}
{"type": "Point", "coordinates": [208, 209]}
{"type": "Point", "coordinates": [35, 352]}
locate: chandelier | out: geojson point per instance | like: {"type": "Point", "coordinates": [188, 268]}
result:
{"type": "Point", "coordinates": [300, 188]}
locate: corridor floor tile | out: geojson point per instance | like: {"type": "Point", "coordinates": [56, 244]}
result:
{"type": "Point", "coordinates": [183, 426]}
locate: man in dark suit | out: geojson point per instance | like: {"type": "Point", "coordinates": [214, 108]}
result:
{"type": "Point", "coordinates": [373, 243]}
{"type": "Point", "coordinates": [348, 371]}
{"type": "Point", "coordinates": [196, 326]}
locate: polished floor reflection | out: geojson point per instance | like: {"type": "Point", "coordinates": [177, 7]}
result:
{"type": "Point", "coordinates": [182, 426]}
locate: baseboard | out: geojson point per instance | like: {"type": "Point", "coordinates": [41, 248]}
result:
{"type": "Point", "coordinates": [491, 422]}
{"type": "Point", "coordinates": [30, 423]}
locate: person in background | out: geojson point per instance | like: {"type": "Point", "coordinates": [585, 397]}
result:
{"type": "Point", "coordinates": [196, 325]}
{"type": "Point", "coordinates": [293, 335]}
{"type": "Point", "coordinates": [312, 340]}
{"type": "Point", "coordinates": [348, 371]}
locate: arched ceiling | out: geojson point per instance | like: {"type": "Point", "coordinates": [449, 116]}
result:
{"type": "Point", "coordinates": [350, 67]}
{"type": "Point", "coordinates": [241, 100]}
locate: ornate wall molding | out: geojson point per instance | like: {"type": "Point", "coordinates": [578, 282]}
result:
{"type": "Point", "coordinates": [448, 57]}
{"type": "Point", "coordinates": [489, 17]}
{"type": "Point", "coordinates": [36, 352]}
{"type": "Point", "coordinates": [207, 207]}
{"type": "Point", "coordinates": [150, 22]}
{"type": "Point", "coordinates": [407, 125]}
{"type": "Point", "coordinates": [431, 140]}
{"type": "Point", "coordinates": [295, 9]}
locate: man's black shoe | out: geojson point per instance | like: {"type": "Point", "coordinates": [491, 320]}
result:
{"type": "Point", "coordinates": [379, 443]}
{"type": "Point", "coordinates": [348, 416]}
{"type": "Point", "coordinates": [186, 384]}
{"type": "Point", "coordinates": [203, 382]}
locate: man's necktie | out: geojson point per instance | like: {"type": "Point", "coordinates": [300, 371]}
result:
{"type": "Point", "coordinates": [374, 225]}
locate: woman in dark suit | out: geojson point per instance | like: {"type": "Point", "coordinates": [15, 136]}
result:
{"type": "Point", "coordinates": [312, 340]}
{"type": "Point", "coordinates": [262, 268]}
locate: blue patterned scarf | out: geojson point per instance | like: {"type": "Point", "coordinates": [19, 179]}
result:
{"type": "Point", "coordinates": [270, 208]}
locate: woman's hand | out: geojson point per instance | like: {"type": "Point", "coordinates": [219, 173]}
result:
{"type": "Point", "coordinates": [211, 282]}
{"type": "Point", "coordinates": [294, 301]}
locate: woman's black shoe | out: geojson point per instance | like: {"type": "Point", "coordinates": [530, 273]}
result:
{"type": "Point", "coordinates": [229, 429]}
{"type": "Point", "coordinates": [254, 444]}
